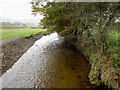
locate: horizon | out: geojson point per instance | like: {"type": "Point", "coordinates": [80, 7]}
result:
{"type": "Point", "coordinates": [18, 10]}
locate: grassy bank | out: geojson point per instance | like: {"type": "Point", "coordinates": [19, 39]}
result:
{"type": "Point", "coordinates": [105, 68]}
{"type": "Point", "coordinates": [114, 50]}
{"type": "Point", "coordinates": [18, 32]}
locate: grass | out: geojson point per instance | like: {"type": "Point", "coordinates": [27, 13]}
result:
{"type": "Point", "coordinates": [18, 32]}
{"type": "Point", "coordinates": [114, 42]}
{"type": "Point", "coordinates": [114, 49]}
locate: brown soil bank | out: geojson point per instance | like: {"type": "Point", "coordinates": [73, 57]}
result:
{"type": "Point", "coordinates": [13, 49]}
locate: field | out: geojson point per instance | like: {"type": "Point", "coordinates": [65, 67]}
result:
{"type": "Point", "coordinates": [18, 32]}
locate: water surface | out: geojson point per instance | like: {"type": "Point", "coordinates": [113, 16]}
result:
{"type": "Point", "coordinates": [49, 63]}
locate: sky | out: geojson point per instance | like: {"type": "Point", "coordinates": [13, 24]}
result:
{"type": "Point", "coordinates": [17, 10]}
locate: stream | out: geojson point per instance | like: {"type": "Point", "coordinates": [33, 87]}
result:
{"type": "Point", "coordinates": [49, 63]}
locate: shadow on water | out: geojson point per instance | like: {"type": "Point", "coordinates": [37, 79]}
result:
{"type": "Point", "coordinates": [69, 70]}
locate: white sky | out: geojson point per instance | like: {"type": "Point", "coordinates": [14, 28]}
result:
{"type": "Point", "coordinates": [17, 10]}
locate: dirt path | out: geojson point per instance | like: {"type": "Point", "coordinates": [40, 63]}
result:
{"type": "Point", "coordinates": [13, 49]}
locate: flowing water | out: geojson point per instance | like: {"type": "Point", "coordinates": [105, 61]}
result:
{"type": "Point", "coordinates": [49, 63]}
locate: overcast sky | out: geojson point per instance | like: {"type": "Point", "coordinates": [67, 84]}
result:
{"type": "Point", "coordinates": [17, 10]}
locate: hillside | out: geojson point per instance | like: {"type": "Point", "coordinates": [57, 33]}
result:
{"type": "Point", "coordinates": [5, 23]}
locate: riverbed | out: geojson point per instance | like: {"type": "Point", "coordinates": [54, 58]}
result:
{"type": "Point", "coordinates": [49, 63]}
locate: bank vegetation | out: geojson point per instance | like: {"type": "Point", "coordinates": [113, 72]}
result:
{"type": "Point", "coordinates": [93, 28]}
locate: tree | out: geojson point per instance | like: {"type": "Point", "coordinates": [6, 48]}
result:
{"type": "Point", "coordinates": [79, 17]}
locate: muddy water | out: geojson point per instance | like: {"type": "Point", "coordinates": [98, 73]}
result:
{"type": "Point", "coordinates": [49, 63]}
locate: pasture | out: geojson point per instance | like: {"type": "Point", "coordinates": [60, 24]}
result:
{"type": "Point", "coordinates": [18, 32]}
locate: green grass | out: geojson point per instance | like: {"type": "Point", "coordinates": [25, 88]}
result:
{"type": "Point", "coordinates": [18, 32]}
{"type": "Point", "coordinates": [114, 42]}
{"type": "Point", "coordinates": [114, 49]}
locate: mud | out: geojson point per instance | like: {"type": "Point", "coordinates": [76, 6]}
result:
{"type": "Point", "coordinates": [12, 49]}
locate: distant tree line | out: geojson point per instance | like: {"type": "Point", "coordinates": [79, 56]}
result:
{"type": "Point", "coordinates": [17, 25]}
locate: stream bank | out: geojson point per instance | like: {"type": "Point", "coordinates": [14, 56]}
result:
{"type": "Point", "coordinates": [102, 71]}
{"type": "Point", "coordinates": [49, 63]}
{"type": "Point", "coordinates": [13, 49]}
